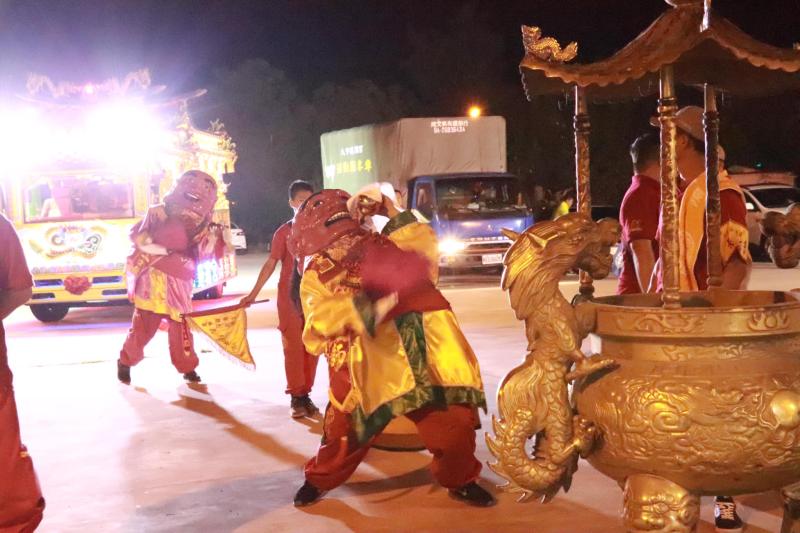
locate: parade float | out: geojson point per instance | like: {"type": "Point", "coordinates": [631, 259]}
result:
{"type": "Point", "coordinates": [684, 394]}
{"type": "Point", "coordinates": [81, 165]}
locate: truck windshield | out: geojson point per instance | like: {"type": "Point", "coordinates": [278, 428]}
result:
{"type": "Point", "coordinates": [775, 197]}
{"type": "Point", "coordinates": [78, 197]}
{"type": "Point", "coordinates": [464, 196]}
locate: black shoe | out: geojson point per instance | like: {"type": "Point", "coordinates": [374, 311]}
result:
{"type": "Point", "coordinates": [307, 495]}
{"type": "Point", "coordinates": [302, 406]}
{"type": "Point", "coordinates": [192, 377]}
{"type": "Point", "coordinates": [726, 519]}
{"type": "Point", "coordinates": [123, 373]}
{"type": "Point", "coordinates": [473, 494]}
{"type": "Point", "coordinates": [311, 409]}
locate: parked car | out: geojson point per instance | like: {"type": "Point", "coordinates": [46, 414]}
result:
{"type": "Point", "coordinates": [238, 238]}
{"type": "Point", "coordinates": [761, 199]}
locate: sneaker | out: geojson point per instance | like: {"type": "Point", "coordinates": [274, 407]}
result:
{"type": "Point", "coordinates": [473, 494]}
{"type": "Point", "coordinates": [123, 373]}
{"type": "Point", "coordinates": [192, 377]}
{"type": "Point", "coordinates": [307, 495]}
{"type": "Point", "coordinates": [311, 409]}
{"type": "Point", "coordinates": [300, 406]}
{"type": "Point", "coordinates": [726, 519]}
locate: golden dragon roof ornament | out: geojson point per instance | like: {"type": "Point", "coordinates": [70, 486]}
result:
{"type": "Point", "coordinates": [546, 48]}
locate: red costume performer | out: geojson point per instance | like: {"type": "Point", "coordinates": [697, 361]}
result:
{"type": "Point", "coordinates": [161, 271]}
{"type": "Point", "coordinates": [21, 502]}
{"type": "Point", "coordinates": [392, 343]}
{"type": "Point", "coordinates": [301, 367]}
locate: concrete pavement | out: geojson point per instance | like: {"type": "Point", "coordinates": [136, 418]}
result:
{"type": "Point", "coordinates": [160, 456]}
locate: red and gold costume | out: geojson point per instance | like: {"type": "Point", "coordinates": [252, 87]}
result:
{"type": "Point", "coordinates": [734, 238]}
{"type": "Point", "coordinates": [162, 265]}
{"type": "Point", "coordinates": [21, 502]}
{"type": "Point", "coordinates": [415, 362]}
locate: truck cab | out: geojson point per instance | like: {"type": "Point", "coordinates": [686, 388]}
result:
{"type": "Point", "coordinates": [468, 211]}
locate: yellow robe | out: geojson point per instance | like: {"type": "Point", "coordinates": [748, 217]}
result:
{"type": "Point", "coordinates": [691, 229]}
{"type": "Point", "coordinates": [379, 367]}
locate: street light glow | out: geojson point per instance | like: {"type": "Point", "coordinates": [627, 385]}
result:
{"type": "Point", "coordinates": [475, 111]}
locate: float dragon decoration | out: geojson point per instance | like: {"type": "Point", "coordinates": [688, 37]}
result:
{"type": "Point", "coordinates": [139, 79]}
{"type": "Point", "coordinates": [533, 399]}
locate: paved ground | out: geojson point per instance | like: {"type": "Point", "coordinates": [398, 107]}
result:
{"type": "Point", "coordinates": [159, 456]}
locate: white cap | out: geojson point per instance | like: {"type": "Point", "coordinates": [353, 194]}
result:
{"type": "Point", "coordinates": [375, 191]}
{"type": "Point", "coordinates": [689, 120]}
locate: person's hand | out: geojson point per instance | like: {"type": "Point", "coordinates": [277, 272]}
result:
{"type": "Point", "coordinates": [249, 299]}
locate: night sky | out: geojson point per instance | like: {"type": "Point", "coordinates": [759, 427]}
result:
{"type": "Point", "coordinates": [184, 41]}
{"type": "Point", "coordinates": [421, 58]}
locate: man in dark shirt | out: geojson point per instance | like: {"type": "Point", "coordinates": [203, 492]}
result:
{"type": "Point", "coordinates": [638, 216]}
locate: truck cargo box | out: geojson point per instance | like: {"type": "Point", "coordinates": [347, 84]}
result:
{"type": "Point", "coordinates": [398, 151]}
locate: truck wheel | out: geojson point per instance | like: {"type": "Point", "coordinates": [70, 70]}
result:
{"type": "Point", "coordinates": [49, 312]}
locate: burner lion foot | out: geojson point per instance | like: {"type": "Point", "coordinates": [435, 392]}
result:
{"type": "Point", "coordinates": [655, 504]}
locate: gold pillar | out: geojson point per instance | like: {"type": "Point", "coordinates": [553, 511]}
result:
{"type": "Point", "coordinates": [582, 187]}
{"type": "Point", "coordinates": [713, 216]}
{"type": "Point", "coordinates": [670, 253]}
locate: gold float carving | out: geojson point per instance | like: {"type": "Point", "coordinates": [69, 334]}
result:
{"type": "Point", "coordinates": [546, 48]}
{"type": "Point", "coordinates": [533, 399]}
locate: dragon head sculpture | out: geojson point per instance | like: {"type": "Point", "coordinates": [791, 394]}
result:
{"type": "Point", "coordinates": [544, 252]}
{"type": "Point", "coordinates": [783, 236]}
{"type": "Point", "coordinates": [533, 399]}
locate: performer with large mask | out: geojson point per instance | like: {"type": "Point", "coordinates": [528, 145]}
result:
{"type": "Point", "coordinates": [392, 343]}
{"type": "Point", "coordinates": [161, 270]}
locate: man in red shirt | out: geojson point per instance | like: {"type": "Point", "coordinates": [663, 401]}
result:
{"type": "Point", "coordinates": [638, 216]}
{"type": "Point", "coordinates": [21, 502]}
{"type": "Point", "coordinates": [301, 367]}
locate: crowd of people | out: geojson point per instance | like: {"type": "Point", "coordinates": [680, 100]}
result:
{"type": "Point", "coordinates": [367, 301]}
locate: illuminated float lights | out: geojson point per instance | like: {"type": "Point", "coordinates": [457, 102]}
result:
{"type": "Point", "coordinates": [123, 134]}
{"type": "Point", "coordinates": [66, 269]}
{"type": "Point", "coordinates": [212, 272]}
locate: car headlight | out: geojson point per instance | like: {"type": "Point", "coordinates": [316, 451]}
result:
{"type": "Point", "coordinates": [451, 246]}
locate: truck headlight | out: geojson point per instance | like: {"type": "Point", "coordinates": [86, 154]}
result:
{"type": "Point", "coordinates": [451, 246]}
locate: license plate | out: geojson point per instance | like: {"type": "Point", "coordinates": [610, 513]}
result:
{"type": "Point", "coordinates": [492, 259]}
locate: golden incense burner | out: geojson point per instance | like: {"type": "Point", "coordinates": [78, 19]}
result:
{"type": "Point", "coordinates": [683, 394]}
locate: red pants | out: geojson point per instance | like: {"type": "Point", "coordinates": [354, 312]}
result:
{"type": "Point", "coordinates": [144, 326]}
{"type": "Point", "coordinates": [21, 502]}
{"type": "Point", "coordinates": [301, 366]}
{"type": "Point", "coordinates": [449, 434]}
